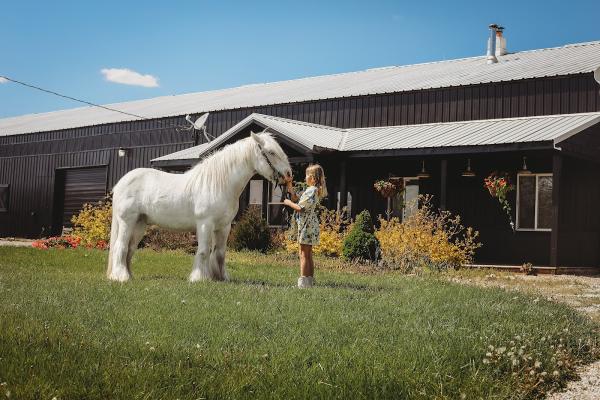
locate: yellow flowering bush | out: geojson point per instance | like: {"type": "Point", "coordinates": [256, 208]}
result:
{"type": "Point", "coordinates": [428, 238]}
{"type": "Point", "coordinates": [92, 224]}
{"type": "Point", "coordinates": [333, 226]}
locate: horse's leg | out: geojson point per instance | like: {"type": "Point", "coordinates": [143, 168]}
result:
{"type": "Point", "coordinates": [138, 233]}
{"type": "Point", "coordinates": [120, 271]}
{"type": "Point", "coordinates": [217, 259]}
{"type": "Point", "coordinates": [201, 269]}
{"type": "Point", "coordinates": [114, 231]}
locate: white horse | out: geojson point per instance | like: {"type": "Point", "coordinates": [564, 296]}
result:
{"type": "Point", "coordinates": [204, 199]}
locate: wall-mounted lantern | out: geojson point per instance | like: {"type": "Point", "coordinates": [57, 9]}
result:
{"type": "Point", "coordinates": [123, 151]}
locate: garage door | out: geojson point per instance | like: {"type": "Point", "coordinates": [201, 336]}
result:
{"type": "Point", "coordinates": [82, 185]}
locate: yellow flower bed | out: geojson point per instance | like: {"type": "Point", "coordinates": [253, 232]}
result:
{"type": "Point", "coordinates": [92, 224]}
{"type": "Point", "coordinates": [427, 237]}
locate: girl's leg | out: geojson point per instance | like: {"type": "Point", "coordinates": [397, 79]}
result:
{"type": "Point", "coordinates": [311, 263]}
{"type": "Point", "coordinates": [305, 260]}
{"type": "Point", "coordinates": [305, 280]}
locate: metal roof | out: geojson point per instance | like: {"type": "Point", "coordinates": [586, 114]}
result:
{"type": "Point", "coordinates": [554, 128]}
{"type": "Point", "coordinates": [547, 128]}
{"type": "Point", "coordinates": [565, 60]}
{"type": "Point", "coordinates": [303, 133]}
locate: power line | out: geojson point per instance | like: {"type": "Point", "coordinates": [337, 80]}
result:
{"type": "Point", "coordinates": [178, 128]}
{"type": "Point", "coordinates": [71, 98]}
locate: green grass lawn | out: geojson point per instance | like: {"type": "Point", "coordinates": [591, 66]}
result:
{"type": "Point", "coordinates": [67, 332]}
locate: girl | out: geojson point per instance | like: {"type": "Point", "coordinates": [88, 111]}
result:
{"type": "Point", "coordinates": [307, 220]}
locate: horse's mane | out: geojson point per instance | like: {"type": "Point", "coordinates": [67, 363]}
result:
{"type": "Point", "coordinates": [211, 174]}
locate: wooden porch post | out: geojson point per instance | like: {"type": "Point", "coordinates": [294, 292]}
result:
{"type": "Point", "coordinates": [342, 185]}
{"type": "Point", "coordinates": [557, 165]}
{"type": "Point", "coordinates": [443, 184]}
{"type": "Point", "coordinates": [265, 197]}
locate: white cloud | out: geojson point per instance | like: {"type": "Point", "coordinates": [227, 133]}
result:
{"type": "Point", "coordinates": [129, 77]}
{"type": "Point", "coordinates": [3, 80]}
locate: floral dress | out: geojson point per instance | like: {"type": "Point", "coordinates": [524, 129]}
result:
{"type": "Point", "coordinates": [307, 219]}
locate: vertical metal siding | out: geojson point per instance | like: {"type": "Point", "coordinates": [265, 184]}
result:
{"type": "Point", "coordinates": [28, 162]}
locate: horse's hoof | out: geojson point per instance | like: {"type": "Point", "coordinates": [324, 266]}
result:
{"type": "Point", "coordinates": [119, 277]}
{"type": "Point", "coordinates": [197, 277]}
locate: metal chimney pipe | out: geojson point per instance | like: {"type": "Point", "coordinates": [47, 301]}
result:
{"type": "Point", "coordinates": [500, 42]}
{"type": "Point", "coordinates": [491, 48]}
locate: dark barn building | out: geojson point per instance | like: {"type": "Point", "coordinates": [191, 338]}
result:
{"type": "Point", "coordinates": [423, 125]}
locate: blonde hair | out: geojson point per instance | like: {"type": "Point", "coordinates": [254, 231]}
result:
{"type": "Point", "coordinates": [316, 171]}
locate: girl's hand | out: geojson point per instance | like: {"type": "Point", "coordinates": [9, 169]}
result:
{"type": "Point", "coordinates": [290, 189]}
{"type": "Point", "coordinates": [289, 184]}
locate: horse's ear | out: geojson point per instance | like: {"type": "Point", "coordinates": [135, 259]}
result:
{"type": "Point", "coordinates": [258, 139]}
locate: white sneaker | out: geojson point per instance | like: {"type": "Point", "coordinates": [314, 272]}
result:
{"type": "Point", "coordinates": [305, 282]}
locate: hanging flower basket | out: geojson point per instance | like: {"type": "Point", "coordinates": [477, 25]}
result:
{"type": "Point", "coordinates": [498, 185]}
{"type": "Point", "coordinates": [386, 188]}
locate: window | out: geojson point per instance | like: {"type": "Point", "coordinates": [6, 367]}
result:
{"type": "Point", "coordinates": [4, 188]}
{"type": "Point", "coordinates": [534, 202]}
{"type": "Point", "coordinates": [276, 213]}
{"type": "Point", "coordinates": [256, 192]}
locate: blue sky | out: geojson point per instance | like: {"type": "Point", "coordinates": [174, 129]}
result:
{"type": "Point", "coordinates": [193, 46]}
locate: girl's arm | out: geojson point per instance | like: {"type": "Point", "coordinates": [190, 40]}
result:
{"type": "Point", "coordinates": [292, 205]}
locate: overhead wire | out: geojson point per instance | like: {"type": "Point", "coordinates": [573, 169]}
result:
{"type": "Point", "coordinates": [178, 128]}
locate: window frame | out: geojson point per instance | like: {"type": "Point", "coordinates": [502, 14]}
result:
{"type": "Point", "coordinates": [7, 204]}
{"type": "Point", "coordinates": [536, 205]}
{"type": "Point", "coordinates": [348, 202]}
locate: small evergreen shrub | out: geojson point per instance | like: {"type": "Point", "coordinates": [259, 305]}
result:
{"type": "Point", "coordinates": [361, 243]}
{"type": "Point", "coordinates": [251, 232]}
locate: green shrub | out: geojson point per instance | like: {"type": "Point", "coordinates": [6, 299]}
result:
{"type": "Point", "coordinates": [251, 232]}
{"type": "Point", "coordinates": [361, 243]}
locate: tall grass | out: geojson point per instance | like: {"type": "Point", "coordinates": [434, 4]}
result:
{"type": "Point", "coordinates": [66, 332]}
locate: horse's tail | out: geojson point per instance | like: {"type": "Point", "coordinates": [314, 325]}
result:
{"type": "Point", "coordinates": [114, 229]}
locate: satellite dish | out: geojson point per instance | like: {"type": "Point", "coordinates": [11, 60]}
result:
{"type": "Point", "coordinates": [200, 124]}
{"type": "Point", "coordinates": [597, 74]}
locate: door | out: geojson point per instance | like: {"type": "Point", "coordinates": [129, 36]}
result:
{"type": "Point", "coordinates": [81, 186]}
{"type": "Point", "coordinates": [405, 202]}
{"type": "Point", "coordinates": [411, 197]}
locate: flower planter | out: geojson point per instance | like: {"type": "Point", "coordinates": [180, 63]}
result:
{"type": "Point", "coordinates": [499, 185]}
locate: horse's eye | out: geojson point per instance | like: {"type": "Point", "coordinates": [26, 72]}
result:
{"type": "Point", "coordinates": [272, 153]}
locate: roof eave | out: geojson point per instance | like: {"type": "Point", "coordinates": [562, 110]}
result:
{"type": "Point", "coordinates": [452, 150]}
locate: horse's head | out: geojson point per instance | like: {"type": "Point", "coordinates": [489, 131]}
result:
{"type": "Point", "coordinates": [271, 161]}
